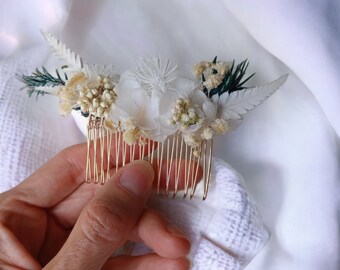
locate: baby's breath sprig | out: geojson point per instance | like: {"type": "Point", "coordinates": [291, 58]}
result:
{"type": "Point", "coordinates": [218, 77]}
{"type": "Point", "coordinates": [41, 79]}
{"type": "Point", "coordinates": [183, 113]}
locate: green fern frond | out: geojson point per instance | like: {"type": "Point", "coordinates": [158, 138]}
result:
{"type": "Point", "coordinates": [40, 78]}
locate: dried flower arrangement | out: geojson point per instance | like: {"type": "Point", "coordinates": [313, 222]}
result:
{"type": "Point", "coordinates": [151, 112]}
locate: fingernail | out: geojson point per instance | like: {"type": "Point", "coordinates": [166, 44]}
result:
{"type": "Point", "coordinates": [188, 261]}
{"type": "Point", "coordinates": [137, 177]}
{"type": "Point", "coordinates": [174, 231]}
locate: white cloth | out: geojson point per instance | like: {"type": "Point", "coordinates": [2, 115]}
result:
{"type": "Point", "coordinates": [30, 130]}
{"type": "Point", "coordinates": [287, 150]}
{"type": "Point", "coordinates": [226, 230]}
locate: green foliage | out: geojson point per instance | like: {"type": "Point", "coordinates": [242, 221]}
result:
{"type": "Point", "coordinates": [40, 79]}
{"type": "Point", "coordinates": [234, 79]}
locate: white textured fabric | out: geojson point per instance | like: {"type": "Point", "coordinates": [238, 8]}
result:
{"type": "Point", "coordinates": [226, 230]}
{"type": "Point", "coordinates": [287, 150]}
{"type": "Point", "coordinates": [30, 130]}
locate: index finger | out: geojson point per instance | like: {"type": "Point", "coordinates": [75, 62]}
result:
{"type": "Point", "coordinates": [60, 176]}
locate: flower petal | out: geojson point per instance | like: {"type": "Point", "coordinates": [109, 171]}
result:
{"type": "Point", "coordinates": [210, 110]}
{"type": "Point", "coordinates": [167, 100]}
{"type": "Point", "coordinates": [126, 83]}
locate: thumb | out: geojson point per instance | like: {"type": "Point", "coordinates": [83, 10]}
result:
{"type": "Point", "coordinates": [107, 220]}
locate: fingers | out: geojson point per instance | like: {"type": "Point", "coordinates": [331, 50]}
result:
{"type": "Point", "coordinates": [13, 253]}
{"type": "Point", "coordinates": [68, 210]}
{"type": "Point", "coordinates": [57, 178]}
{"type": "Point", "coordinates": [150, 261]}
{"type": "Point", "coordinates": [161, 236]}
{"type": "Point", "coordinates": [107, 220]}
{"type": "Point", "coordinates": [62, 175]}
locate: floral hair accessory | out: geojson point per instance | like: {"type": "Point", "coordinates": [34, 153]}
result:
{"type": "Point", "coordinates": [151, 112]}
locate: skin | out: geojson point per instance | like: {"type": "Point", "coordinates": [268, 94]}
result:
{"type": "Point", "coordinates": [53, 220]}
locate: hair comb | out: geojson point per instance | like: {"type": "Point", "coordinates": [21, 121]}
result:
{"type": "Point", "coordinates": [151, 112]}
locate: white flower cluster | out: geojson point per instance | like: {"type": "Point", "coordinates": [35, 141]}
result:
{"type": "Point", "coordinates": [97, 96]}
{"type": "Point", "coordinates": [150, 101]}
{"type": "Point", "coordinates": [184, 114]}
{"type": "Point", "coordinates": [93, 96]}
{"type": "Point", "coordinates": [213, 72]}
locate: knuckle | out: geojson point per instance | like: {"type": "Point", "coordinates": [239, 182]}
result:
{"type": "Point", "coordinates": [104, 223]}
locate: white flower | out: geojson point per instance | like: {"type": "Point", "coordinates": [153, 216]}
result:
{"type": "Point", "coordinates": [182, 107]}
{"type": "Point", "coordinates": [131, 136]}
{"type": "Point", "coordinates": [212, 81]}
{"type": "Point", "coordinates": [108, 124]}
{"type": "Point", "coordinates": [220, 126]}
{"type": "Point", "coordinates": [191, 140]}
{"type": "Point", "coordinates": [152, 76]}
{"type": "Point", "coordinates": [68, 94]}
{"type": "Point", "coordinates": [213, 73]}
{"type": "Point", "coordinates": [139, 93]}
{"type": "Point", "coordinates": [91, 89]}
{"type": "Point", "coordinates": [200, 67]}
{"type": "Point", "coordinates": [128, 123]}
{"type": "Point", "coordinates": [134, 105]}
{"type": "Point", "coordinates": [184, 114]}
{"type": "Point", "coordinates": [207, 133]}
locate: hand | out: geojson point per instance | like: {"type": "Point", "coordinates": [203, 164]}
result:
{"type": "Point", "coordinates": [56, 221]}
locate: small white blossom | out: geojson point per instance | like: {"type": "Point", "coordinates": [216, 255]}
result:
{"type": "Point", "coordinates": [196, 153]}
{"type": "Point", "coordinates": [68, 95]}
{"type": "Point", "coordinates": [185, 118]}
{"type": "Point", "coordinates": [94, 95]}
{"type": "Point", "coordinates": [131, 136]}
{"type": "Point", "coordinates": [108, 124]}
{"type": "Point", "coordinates": [207, 134]}
{"type": "Point", "coordinates": [183, 114]}
{"type": "Point", "coordinates": [213, 81]}
{"type": "Point", "coordinates": [220, 126]}
{"type": "Point", "coordinates": [191, 140]}
{"type": "Point", "coordinates": [199, 68]}
{"type": "Point", "coordinates": [213, 73]}
{"type": "Point", "coordinates": [128, 123]}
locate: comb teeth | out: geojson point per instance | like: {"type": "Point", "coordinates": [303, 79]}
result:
{"type": "Point", "coordinates": [177, 165]}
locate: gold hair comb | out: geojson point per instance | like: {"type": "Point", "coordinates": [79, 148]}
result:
{"type": "Point", "coordinates": [150, 112]}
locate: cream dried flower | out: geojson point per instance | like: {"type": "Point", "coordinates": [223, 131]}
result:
{"type": "Point", "coordinates": [220, 126]}
{"type": "Point", "coordinates": [221, 67]}
{"type": "Point", "coordinates": [184, 114]}
{"type": "Point", "coordinates": [212, 81]}
{"type": "Point", "coordinates": [128, 123]}
{"type": "Point", "coordinates": [97, 95]}
{"type": "Point", "coordinates": [191, 140]}
{"type": "Point", "coordinates": [199, 68]}
{"type": "Point", "coordinates": [208, 133]}
{"type": "Point", "coordinates": [68, 94]}
{"type": "Point", "coordinates": [131, 136]}
{"type": "Point", "coordinates": [110, 125]}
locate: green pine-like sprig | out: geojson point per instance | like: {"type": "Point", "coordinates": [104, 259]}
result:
{"type": "Point", "coordinates": [41, 78]}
